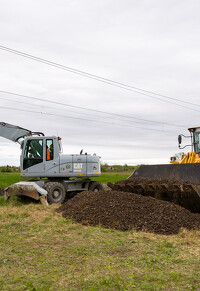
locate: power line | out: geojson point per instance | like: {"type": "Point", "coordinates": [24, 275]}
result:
{"type": "Point", "coordinates": [83, 119]}
{"type": "Point", "coordinates": [89, 109]}
{"type": "Point", "coordinates": [101, 79]}
{"type": "Point", "coordinates": [71, 111]}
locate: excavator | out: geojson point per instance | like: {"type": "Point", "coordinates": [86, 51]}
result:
{"type": "Point", "coordinates": [177, 182]}
{"type": "Point", "coordinates": [59, 174]}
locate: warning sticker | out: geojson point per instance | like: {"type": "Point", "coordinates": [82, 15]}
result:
{"type": "Point", "coordinates": [78, 167]}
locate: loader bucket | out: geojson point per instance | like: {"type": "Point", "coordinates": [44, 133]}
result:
{"type": "Point", "coordinates": [184, 172]}
{"type": "Point", "coordinates": [29, 189]}
{"type": "Point", "coordinates": [179, 184]}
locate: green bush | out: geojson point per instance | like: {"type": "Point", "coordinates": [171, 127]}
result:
{"type": "Point", "coordinates": [9, 169]}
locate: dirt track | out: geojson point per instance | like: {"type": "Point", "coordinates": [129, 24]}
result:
{"type": "Point", "coordinates": [125, 211]}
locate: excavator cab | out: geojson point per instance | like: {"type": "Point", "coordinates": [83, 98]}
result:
{"type": "Point", "coordinates": [40, 156]}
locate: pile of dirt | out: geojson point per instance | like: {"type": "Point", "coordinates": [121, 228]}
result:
{"type": "Point", "coordinates": [1, 192]}
{"type": "Point", "coordinates": [183, 193]}
{"type": "Point", "coordinates": [126, 211]}
{"type": "Point", "coordinates": [154, 181]}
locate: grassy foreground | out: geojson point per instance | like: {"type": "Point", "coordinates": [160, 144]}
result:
{"type": "Point", "coordinates": [40, 250]}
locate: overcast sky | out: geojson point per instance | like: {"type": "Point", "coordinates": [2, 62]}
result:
{"type": "Point", "coordinates": [148, 44]}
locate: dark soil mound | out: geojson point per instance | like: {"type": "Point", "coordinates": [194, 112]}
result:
{"type": "Point", "coordinates": [125, 211]}
{"type": "Point", "coordinates": [154, 180]}
{"type": "Point", "coordinates": [183, 193]}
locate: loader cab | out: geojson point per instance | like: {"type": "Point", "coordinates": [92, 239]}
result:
{"type": "Point", "coordinates": [193, 156]}
{"type": "Point", "coordinates": [195, 135]}
{"type": "Point", "coordinates": [195, 139]}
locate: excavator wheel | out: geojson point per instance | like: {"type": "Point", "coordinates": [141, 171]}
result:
{"type": "Point", "coordinates": [95, 186]}
{"type": "Point", "coordinates": [56, 192]}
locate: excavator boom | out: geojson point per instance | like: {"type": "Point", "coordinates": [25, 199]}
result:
{"type": "Point", "coordinates": [14, 133]}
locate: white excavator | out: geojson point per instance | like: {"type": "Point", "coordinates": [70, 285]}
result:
{"type": "Point", "coordinates": [59, 174]}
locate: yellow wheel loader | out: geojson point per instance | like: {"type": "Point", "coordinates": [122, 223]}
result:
{"type": "Point", "coordinates": [177, 182]}
{"type": "Point", "coordinates": [187, 169]}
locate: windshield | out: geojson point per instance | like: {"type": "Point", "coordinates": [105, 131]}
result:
{"type": "Point", "coordinates": [34, 149]}
{"type": "Point", "coordinates": [33, 153]}
{"type": "Point", "coordinates": [197, 142]}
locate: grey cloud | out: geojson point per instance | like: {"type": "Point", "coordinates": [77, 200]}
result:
{"type": "Point", "coordinates": [149, 44]}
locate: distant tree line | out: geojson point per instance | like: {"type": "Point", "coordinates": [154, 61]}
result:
{"type": "Point", "coordinates": [118, 168]}
{"type": "Point", "coordinates": [104, 168]}
{"type": "Point", "coordinates": [9, 169]}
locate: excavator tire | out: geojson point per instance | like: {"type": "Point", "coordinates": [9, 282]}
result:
{"type": "Point", "coordinates": [95, 186]}
{"type": "Point", "coordinates": [56, 192]}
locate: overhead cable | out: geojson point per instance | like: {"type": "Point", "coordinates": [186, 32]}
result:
{"type": "Point", "coordinates": [89, 109]}
{"type": "Point", "coordinates": [101, 79]}
{"type": "Point", "coordinates": [79, 118]}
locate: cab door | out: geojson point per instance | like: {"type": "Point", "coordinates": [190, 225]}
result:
{"type": "Point", "coordinates": [33, 158]}
{"type": "Point", "coordinates": [51, 158]}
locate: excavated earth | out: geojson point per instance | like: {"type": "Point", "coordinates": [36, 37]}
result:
{"type": "Point", "coordinates": [125, 211]}
{"type": "Point", "coordinates": [183, 193]}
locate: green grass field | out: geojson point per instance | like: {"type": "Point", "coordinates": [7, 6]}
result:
{"type": "Point", "coordinates": [40, 250]}
{"type": "Point", "coordinates": [112, 177]}
{"type": "Point", "coordinates": [7, 179]}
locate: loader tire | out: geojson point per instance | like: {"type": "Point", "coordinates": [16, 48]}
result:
{"type": "Point", "coordinates": [95, 186]}
{"type": "Point", "coordinates": [56, 192]}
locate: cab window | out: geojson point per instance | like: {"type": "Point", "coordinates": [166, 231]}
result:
{"type": "Point", "coordinates": [197, 142]}
{"type": "Point", "coordinates": [33, 153]}
{"type": "Point", "coordinates": [49, 150]}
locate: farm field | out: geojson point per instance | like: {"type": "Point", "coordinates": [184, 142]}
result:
{"type": "Point", "coordinates": [7, 179]}
{"type": "Point", "coordinates": [41, 250]}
